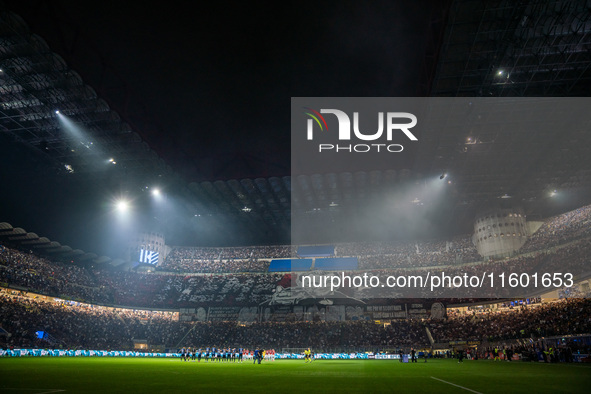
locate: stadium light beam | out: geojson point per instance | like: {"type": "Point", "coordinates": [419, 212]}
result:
{"type": "Point", "coordinates": [76, 132]}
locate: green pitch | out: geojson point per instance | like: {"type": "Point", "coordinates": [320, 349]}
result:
{"type": "Point", "coordinates": [129, 375]}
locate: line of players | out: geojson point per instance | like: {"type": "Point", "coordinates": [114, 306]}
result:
{"type": "Point", "coordinates": [226, 354]}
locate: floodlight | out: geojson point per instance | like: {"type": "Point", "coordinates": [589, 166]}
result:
{"type": "Point", "coordinates": [122, 205]}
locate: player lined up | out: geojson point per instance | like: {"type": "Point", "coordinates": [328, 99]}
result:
{"type": "Point", "coordinates": [226, 354]}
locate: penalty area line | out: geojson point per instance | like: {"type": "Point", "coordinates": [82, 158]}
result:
{"type": "Point", "coordinates": [457, 385]}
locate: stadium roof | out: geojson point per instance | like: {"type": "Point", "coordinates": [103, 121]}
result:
{"type": "Point", "coordinates": [542, 49]}
{"type": "Point", "coordinates": [52, 250]}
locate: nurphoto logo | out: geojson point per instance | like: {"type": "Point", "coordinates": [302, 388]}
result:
{"type": "Point", "coordinates": [391, 119]}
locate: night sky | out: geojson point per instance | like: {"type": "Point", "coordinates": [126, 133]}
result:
{"type": "Point", "coordinates": [208, 87]}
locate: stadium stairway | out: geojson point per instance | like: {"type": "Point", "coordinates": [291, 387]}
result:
{"type": "Point", "coordinates": [4, 333]}
{"type": "Point", "coordinates": [431, 341]}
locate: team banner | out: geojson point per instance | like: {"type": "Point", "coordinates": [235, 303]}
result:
{"type": "Point", "coordinates": [106, 353]}
{"type": "Point", "coordinates": [318, 356]}
{"type": "Point", "coordinates": [340, 356]}
{"type": "Point", "coordinates": [79, 353]}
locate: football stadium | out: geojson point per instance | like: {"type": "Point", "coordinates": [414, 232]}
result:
{"type": "Point", "coordinates": [195, 197]}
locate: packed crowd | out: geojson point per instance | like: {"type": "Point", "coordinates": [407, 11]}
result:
{"type": "Point", "coordinates": [572, 258]}
{"type": "Point", "coordinates": [531, 351]}
{"type": "Point", "coordinates": [236, 288]}
{"type": "Point", "coordinates": [75, 325]}
{"type": "Point", "coordinates": [216, 260]}
{"type": "Point", "coordinates": [33, 272]}
{"type": "Point", "coordinates": [493, 307]}
{"type": "Point", "coordinates": [371, 255]}
{"type": "Point", "coordinates": [213, 266]}
{"type": "Point", "coordinates": [560, 229]}
{"type": "Point", "coordinates": [428, 253]}
{"type": "Point", "coordinates": [156, 290]}
{"type": "Point", "coordinates": [567, 316]}
{"type": "Point", "coordinates": [557, 230]}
